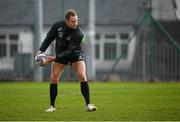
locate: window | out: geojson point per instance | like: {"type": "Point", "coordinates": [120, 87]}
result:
{"type": "Point", "coordinates": [110, 50]}
{"type": "Point", "coordinates": [13, 44]}
{"type": "Point", "coordinates": [13, 37]}
{"type": "Point", "coordinates": [2, 45]}
{"type": "Point", "coordinates": [8, 45]}
{"type": "Point", "coordinates": [14, 49]}
{"type": "Point", "coordinates": [97, 46]}
{"type": "Point", "coordinates": [2, 37]}
{"type": "Point", "coordinates": [2, 50]}
{"type": "Point", "coordinates": [97, 51]}
{"type": "Point", "coordinates": [124, 36]}
{"type": "Point", "coordinates": [109, 46]}
{"type": "Point", "coordinates": [124, 50]}
{"type": "Point", "coordinates": [110, 36]}
{"type": "Point", "coordinates": [97, 37]}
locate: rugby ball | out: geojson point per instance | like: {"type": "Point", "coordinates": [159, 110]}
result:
{"type": "Point", "coordinates": [41, 59]}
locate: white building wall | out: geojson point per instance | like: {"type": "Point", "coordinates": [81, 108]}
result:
{"type": "Point", "coordinates": [163, 10]}
{"type": "Point", "coordinates": [26, 38]}
{"type": "Point", "coordinates": [177, 2]}
{"type": "Point", "coordinates": [123, 64]}
{"type": "Point", "coordinates": [26, 41]}
{"type": "Point", "coordinates": [25, 44]}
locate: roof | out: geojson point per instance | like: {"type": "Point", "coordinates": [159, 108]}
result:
{"type": "Point", "coordinates": [21, 12]}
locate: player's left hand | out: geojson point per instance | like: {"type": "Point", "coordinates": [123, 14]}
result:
{"type": "Point", "coordinates": [49, 59]}
{"type": "Point", "coordinates": [42, 59]}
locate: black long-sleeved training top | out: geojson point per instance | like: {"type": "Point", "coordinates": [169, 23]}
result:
{"type": "Point", "coordinates": [67, 39]}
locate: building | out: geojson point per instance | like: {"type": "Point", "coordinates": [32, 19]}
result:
{"type": "Point", "coordinates": [115, 22]}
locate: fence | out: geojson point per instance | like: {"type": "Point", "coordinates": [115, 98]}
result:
{"type": "Point", "coordinates": [157, 52]}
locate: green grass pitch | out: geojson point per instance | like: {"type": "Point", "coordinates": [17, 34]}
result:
{"type": "Point", "coordinates": [116, 101]}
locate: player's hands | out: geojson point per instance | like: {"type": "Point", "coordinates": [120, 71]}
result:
{"type": "Point", "coordinates": [37, 54]}
{"type": "Point", "coordinates": [42, 59]}
{"type": "Point", "coordinates": [49, 59]}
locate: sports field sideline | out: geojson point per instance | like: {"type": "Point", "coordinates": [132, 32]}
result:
{"type": "Point", "coordinates": [116, 101]}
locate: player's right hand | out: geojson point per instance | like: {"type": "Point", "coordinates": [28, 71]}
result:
{"type": "Point", "coordinates": [42, 59]}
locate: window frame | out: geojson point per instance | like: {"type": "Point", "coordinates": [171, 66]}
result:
{"type": "Point", "coordinates": [9, 42]}
{"type": "Point", "coordinates": [118, 40]}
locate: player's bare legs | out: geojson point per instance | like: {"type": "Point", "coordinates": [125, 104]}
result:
{"type": "Point", "coordinates": [80, 69]}
{"type": "Point", "coordinates": [56, 71]}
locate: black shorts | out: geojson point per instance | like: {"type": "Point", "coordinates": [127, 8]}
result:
{"type": "Point", "coordinates": [71, 58]}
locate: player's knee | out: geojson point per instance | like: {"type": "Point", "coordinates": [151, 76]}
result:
{"type": "Point", "coordinates": [54, 79]}
{"type": "Point", "coordinates": [82, 76]}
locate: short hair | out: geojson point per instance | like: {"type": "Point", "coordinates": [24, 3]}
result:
{"type": "Point", "coordinates": [69, 13]}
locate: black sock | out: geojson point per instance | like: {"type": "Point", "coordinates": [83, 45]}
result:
{"type": "Point", "coordinates": [85, 91]}
{"type": "Point", "coordinates": [53, 94]}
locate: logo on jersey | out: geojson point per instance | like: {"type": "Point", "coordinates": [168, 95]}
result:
{"type": "Point", "coordinates": [60, 33]}
{"type": "Point", "coordinates": [68, 38]}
